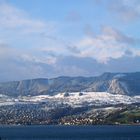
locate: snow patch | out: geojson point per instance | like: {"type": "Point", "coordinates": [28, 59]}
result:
{"type": "Point", "coordinates": [87, 98]}
{"type": "Point", "coordinates": [74, 99]}
{"type": "Point", "coordinates": [119, 75]}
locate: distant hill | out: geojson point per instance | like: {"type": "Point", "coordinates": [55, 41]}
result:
{"type": "Point", "coordinates": [115, 83]}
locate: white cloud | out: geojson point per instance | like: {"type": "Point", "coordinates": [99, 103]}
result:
{"type": "Point", "coordinates": [20, 35]}
{"type": "Point", "coordinates": [109, 44]}
{"type": "Point", "coordinates": [44, 59]}
{"type": "Point", "coordinates": [5, 51]}
{"type": "Point", "coordinates": [127, 10]}
{"type": "Point", "coordinates": [14, 18]}
{"type": "Point", "coordinates": [29, 48]}
{"type": "Point", "coordinates": [124, 10]}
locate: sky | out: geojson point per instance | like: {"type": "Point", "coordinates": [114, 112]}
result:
{"type": "Point", "coordinates": [50, 38]}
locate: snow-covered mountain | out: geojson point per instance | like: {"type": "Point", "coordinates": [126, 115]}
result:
{"type": "Point", "coordinates": [115, 83]}
{"type": "Point", "coordinates": [72, 100]}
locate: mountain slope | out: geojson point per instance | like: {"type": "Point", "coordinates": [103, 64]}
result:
{"type": "Point", "coordinates": [116, 83]}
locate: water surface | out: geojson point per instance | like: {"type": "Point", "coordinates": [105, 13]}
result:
{"type": "Point", "coordinates": [70, 132]}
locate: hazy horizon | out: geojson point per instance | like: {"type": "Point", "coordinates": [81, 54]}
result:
{"type": "Point", "coordinates": [51, 38]}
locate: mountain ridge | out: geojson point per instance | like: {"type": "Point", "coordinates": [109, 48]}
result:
{"type": "Point", "coordinates": [115, 83]}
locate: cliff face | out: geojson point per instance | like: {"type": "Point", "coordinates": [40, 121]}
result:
{"type": "Point", "coordinates": [116, 83]}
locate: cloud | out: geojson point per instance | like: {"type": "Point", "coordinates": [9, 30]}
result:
{"type": "Point", "coordinates": [45, 58]}
{"type": "Point", "coordinates": [6, 52]}
{"type": "Point", "coordinates": [119, 36]}
{"type": "Point", "coordinates": [13, 18]}
{"type": "Point", "coordinates": [111, 43]}
{"type": "Point", "coordinates": [65, 47]}
{"type": "Point", "coordinates": [29, 48]}
{"type": "Point", "coordinates": [124, 10]}
{"type": "Point", "coordinates": [87, 66]}
{"type": "Point", "coordinates": [124, 64]}
{"type": "Point", "coordinates": [73, 49]}
{"type": "Point", "coordinates": [3, 47]}
{"type": "Point", "coordinates": [77, 66]}
{"type": "Point", "coordinates": [88, 30]}
{"type": "Point", "coordinates": [127, 10]}
{"type": "Point", "coordinates": [28, 67]}
{"type": "Point", "coordinates": [20, 32]}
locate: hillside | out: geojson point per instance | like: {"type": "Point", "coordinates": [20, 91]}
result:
{"type": "Point", "coordinates": [115, 83]}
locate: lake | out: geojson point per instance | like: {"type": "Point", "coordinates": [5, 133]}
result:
{"type": "Point", "coordinates": [101, 132]}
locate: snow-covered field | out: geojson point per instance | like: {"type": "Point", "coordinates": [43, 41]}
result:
{"type": "Point", "coordinates": [74, 99]}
